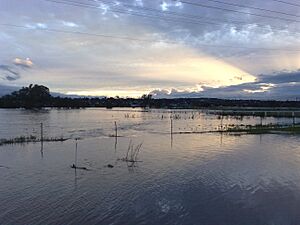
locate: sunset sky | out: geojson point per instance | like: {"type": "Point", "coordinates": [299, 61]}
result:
{"type": "Point", "coordinates": [226, 48]}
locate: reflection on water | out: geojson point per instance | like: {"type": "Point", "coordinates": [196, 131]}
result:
{"type": "Point", "coordinates": [209, 179]}
{"type": "Point", "coordinates": [42, 149]}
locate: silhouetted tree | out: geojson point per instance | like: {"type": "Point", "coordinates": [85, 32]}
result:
{"type": "Point", "coordinates": [34, 96]}
{"type": "Point", "coordinates": [146, 100]}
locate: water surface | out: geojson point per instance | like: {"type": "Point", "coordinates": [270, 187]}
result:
{"type": "Point", "coordinates": [207, 179]}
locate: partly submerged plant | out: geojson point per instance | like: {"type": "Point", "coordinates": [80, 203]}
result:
{"type": "Point", "coordinates": [132, 153]}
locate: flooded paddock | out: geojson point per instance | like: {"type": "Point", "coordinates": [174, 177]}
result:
{"type": "Point", "coordinates": [193, 178]}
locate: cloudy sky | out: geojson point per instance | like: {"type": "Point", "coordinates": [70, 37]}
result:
{"type": "Point", "coordinates": [190, 48]}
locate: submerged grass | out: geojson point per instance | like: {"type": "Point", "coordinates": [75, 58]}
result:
{"type": "Point", "coordinates": [252, 129]}
{"type": "Point", "coordinates": [28, 139]}
{"type": "Point", "coordinates": [265, 129]}
{"type": "Point", "coordinates": [277, 113]}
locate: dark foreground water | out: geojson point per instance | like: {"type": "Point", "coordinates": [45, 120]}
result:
{"type": "Point", "coordinates": [207, 179]}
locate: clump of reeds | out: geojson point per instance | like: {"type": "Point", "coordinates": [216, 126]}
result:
{"type": "Point", "coordinates": [128, 115]}
{"type": "Point", "coordinates": [176, 117]}
{"type": "Point", "coordinates": [132, 153]}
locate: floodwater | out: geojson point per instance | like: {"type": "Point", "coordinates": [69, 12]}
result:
{"type": "Point", "coordinates": [196, 178]}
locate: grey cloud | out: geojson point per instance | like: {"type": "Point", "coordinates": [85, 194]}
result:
{"type": "Point", "coordinates": [5, 89]}
{"type": "Point", "coordinates": [11, 78]}
{"type": "Point", "coordinates": [8, 69]}
{"type": "Point", "coordinates": [8, 73]}
{"type": "Point", "coordinates": [11, 72]}
{"type": "Point", "coordinates": [282, 85]}
{"type": "Point", "coordinates": [281, 77]}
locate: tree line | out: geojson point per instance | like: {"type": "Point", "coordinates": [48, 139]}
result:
{"type": "Point", "coordinates": [38, 96]}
